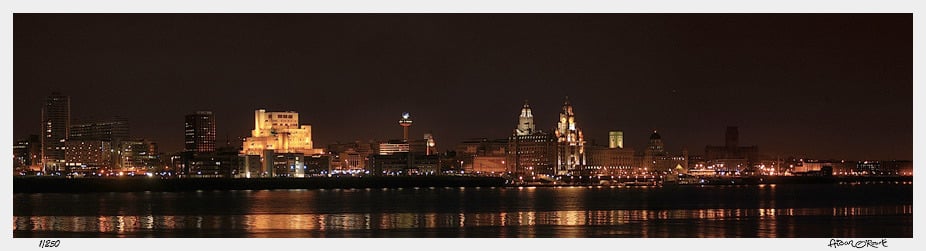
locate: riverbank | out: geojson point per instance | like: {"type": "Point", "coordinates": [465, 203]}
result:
{"type": "Point", "coordinates": [140, 184]}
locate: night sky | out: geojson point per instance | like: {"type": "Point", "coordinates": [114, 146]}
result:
{"type": "Point", "coordinates": [806, 85]}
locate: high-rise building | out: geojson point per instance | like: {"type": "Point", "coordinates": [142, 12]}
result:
{"type": "Point", "coordinates": [530, 154]}
{"type": "Point", "coordinates": [525, 121]}
{"type": "Point", "coordinates": [616, 139]}
{"type": "Point", "coordinates": [571, 142]}
{"type": "Point", "coordinates": [56, 121]}
{"type": "Point", "coordinates": [114, 130]}
{"type": "Point", "coordinates": [199, 132]}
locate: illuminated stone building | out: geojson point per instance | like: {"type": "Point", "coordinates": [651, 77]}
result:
{"type": "Point", "coordinates": [570, 143]}
{"type": "Point", "coordinates": [531, 154]}
{"type": "Point", "coordinates": [525, 121]}
{"type": "Point", "coordinates": [616, 139]}
{"type": "Point", "coordinates": [611, 160]}
{"type": "Point", "coordinates": [279, 132]}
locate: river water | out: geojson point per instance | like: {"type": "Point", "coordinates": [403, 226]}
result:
{"type": "Point", "coordinates": [765, 211]}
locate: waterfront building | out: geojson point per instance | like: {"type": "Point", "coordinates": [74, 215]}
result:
{"type": "Point", "coordinates": [278, 133]}
{"type": "Point", "coordinates": [491, 165]}
{"type": "Point", "coordinates": [27, 154]}
{"type": "Point", "coordinates": [138, 155]}
{"type": "Point", "coordinates": [656, 159]}
{"type": "Point", "coordinates": [731, 157]}
{"type": "Point", "coordinates": [348, 162]}
{"type": "Point", "coordinates": [56, 121]}
{"type": "Point", "coordinates": [468, 150]}
{"type": "Point", "coordinates": [570, 158]}
{"type": "Point", "coordinates": [88, 156]}
{"type": "Point", "coordinates": [406, 163]}
{"type": "Point", "coordinates": [393, 146]}
{"type": "Point", "coordinates": [609, 161]}
{"type": "Point", "coordinates": [199, 132]}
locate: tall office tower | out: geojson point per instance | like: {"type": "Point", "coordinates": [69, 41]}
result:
{"type": "Point", "coordinates": [616, 139]}
{"type": "Point", "coordinates": [199, 132]}
{"type": "Point", "coordinates": [56, 121]}
{"type": "Point", "coordinates": [525, 121]}
{"type": "Point", "coordinates": [571, 157]}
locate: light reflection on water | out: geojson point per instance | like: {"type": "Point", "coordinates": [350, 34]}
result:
{"type": "Point", "coordinates": [394, 221]}
{"type": "Point", "coordinates": [762, 211]}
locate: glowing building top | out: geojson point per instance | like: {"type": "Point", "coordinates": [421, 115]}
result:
{"type": "Point", "coordinates": [405, 122]}
{"type": "Point", "coordinates": [525, 121]}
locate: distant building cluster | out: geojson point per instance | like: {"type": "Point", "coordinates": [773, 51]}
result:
{"type": "Point", "coordinates": [96, 148]}
{"type": "Point", "coordinates": [280, 145]}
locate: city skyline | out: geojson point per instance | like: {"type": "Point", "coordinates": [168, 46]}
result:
{"type": "Point", "coordinates": [858, 114]}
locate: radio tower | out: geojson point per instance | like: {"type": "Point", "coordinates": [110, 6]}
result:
{"type": "Point", "coordinates": [405, 122]}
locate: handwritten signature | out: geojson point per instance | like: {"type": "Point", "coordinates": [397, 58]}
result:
{"type": "Point", "coordinates": [49, 243]}
{"type": "Point", "coordinates": [834, 243]}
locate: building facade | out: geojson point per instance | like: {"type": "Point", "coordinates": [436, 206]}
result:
{"type": "Point", "coordinates": [88, 156]}
{"type": "Point", "coordinates": [731, 157]}
{"type": "Point", "coordinates": [570, 143]}
{"type": "Point", "coordinates": [199, 132]}
{"type": "Point", "coordinates": [56, 123]}
{"type": "Point", "coordinates": [279, 132]}
{"type": "Point", "coordinates": [114, 130]}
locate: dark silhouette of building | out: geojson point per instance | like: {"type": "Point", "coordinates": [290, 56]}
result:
{"type": "Point", "coordinates": [56, 121]}
{"type": "Point", "coordinates": [731, 157]}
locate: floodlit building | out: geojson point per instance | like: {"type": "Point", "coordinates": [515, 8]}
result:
{"type": "Point", "coordinates": [279, 132]}
{"type": "Point", "coordinates": [530, 153]}
{"type": "Point", "coordinates": [570, 143]}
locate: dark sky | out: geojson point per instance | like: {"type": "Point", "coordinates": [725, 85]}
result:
{"type": "Point", "coordinates": [815, 85]}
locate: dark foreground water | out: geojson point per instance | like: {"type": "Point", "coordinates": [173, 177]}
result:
{"type": "Point", "coordinates": [823, 211]}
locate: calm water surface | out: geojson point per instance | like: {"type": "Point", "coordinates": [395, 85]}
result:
{"type": "Point", "coordinates": [837, 210]}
